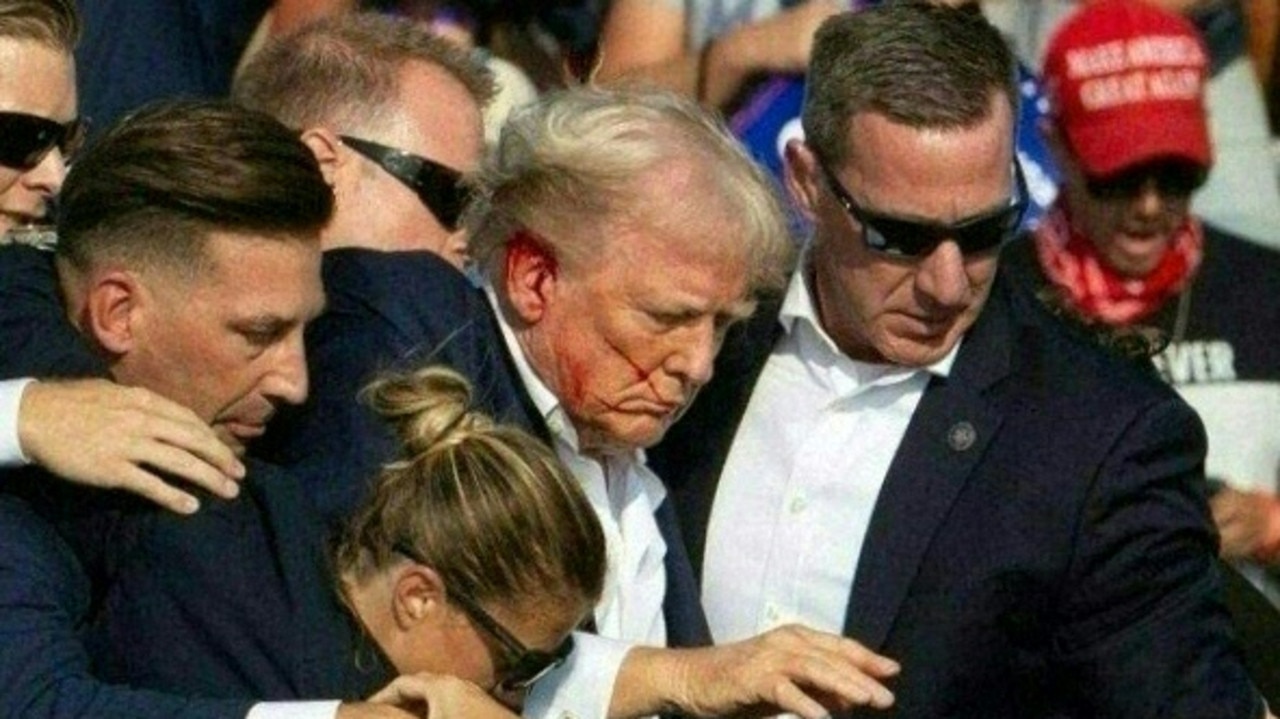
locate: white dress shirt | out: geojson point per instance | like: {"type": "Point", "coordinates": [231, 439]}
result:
{"type": "Point", "coordinates": [10, 400]}
{"type": "Point", "coordinates": [625, 493]}
{"type": "Point", "coordinates": [801, 479]}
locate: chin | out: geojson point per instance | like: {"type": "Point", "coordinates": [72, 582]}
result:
{"type": "Point", "coordinates": [630, 436]}
{"type": "Point", "coordinates": [918, 353]}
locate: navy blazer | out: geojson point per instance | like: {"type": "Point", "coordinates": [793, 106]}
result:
{"type": "Point", "coordinates": [38, 340]}
{"type": "Point", "coordinates": [236, 601]}
{"type": "Point", "coordinates": [402, 310]}
{"type": "Point", "coordinates": [44, 666]}
{"type": "Point", "coordinates": [252, 619]}
{"type": "Point", "coordinates": [1041, 546]}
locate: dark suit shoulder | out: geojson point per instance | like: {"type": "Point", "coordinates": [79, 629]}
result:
{"type": "Point", "coordinates": [38, 339]}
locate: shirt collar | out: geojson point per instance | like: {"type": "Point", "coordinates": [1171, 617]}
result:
{"type": "Point", "coordinates": [547, 403]}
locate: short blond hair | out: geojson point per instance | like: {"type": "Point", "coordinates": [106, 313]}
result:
{"type": "Point", "coordinates": [576, 157]}
{"type": "Point", "coordinates": [344, 71]}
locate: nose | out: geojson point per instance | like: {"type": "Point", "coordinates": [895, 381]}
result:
{"type": "Point", "coordinates": [47, 176]}
{"type": "Point", "coordinates": [1149, 202]}
{"type": "Point", "coordinates": [941, 278]}
{"type": "Point", "coordinates": [694, 360]}
{"type": "Point", "coordinates": [287, 381]}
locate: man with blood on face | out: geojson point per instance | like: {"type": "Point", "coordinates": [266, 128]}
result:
{"type": "Point", "coordinates": [619, 235]}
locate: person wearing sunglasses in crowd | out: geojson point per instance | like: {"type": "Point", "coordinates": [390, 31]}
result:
{"type": "Point", "coordinates": [912, 451]}
{"type": "Point", "coordinates": [393, 115]}
{"type": "Point", "coordinates": [1124, 255]}
{"type": "Point", "coordinates": [91, 432]}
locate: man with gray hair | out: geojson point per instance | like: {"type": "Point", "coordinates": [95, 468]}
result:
{"type": "Point", "coordinates": [619, 235]}
{"type": "Point", "coordinates": [910, 451]}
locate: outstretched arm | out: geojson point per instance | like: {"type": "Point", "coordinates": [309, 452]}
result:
{"type": "Point", "coordinates": [790, 669]}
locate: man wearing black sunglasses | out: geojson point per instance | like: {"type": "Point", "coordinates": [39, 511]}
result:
{"type": "Point", "coordinates": [1123, 254]}
{"type": "Point", "coordinates": [909, 450]}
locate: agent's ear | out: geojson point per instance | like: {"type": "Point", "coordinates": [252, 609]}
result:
{"type": "Point", "coordinates": [531, 272]}
{"type": "Point", "coordinates": [336, 160]}
{"type": "Point", "coordinates": [802, 177]}
{"type": "Point", "coordinates": [418, 596]}
{"type": "Point", "coordinates": [115, 311]}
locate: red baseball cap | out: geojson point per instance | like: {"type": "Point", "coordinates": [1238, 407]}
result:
{"type": "Point", "coordinates": [1126, 81]}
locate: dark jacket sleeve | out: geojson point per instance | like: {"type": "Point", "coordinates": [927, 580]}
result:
{"type": "Point", "coordinates": [44, 670]}
{"type": "Point", "coordinates": [1145, 632]}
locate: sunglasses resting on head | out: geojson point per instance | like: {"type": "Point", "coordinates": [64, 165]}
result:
{"type": "Point", "coordinates": [439, 187]}
{"type": "Point", "coordinates": [911, 238]}
{"type": "Point", "coordinates": [26, 139]}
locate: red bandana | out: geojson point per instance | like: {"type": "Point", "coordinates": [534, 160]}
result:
{"type": "Point", "coordinates": [1072, 264]}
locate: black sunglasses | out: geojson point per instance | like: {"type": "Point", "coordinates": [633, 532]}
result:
{"type": "Point", "coordinates": [1171, 178]}
{"type": "Point", "coordinates": [524, 666]}
{"type": "Point", "coordinates": [439, 187]}
{"type": "Point", "coordinates": [26, 139]}
{"type": "Point", "coordinates": [910, 238]}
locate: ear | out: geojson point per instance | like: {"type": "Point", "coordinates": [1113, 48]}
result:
{"type": "Point", "coordinates": [114, 311]}
{"type": "Point", "coordinates": [418, 596]}
{"type": "Point", "coordinates": [334, 158]}
{"type": "Point", "coordinates": [531, 273]}
{"type": "Point", "coordinates": [802, 178]}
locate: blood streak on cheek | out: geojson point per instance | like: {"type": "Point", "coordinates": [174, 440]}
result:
{"type": "Point", "coordinates": [641, 374]}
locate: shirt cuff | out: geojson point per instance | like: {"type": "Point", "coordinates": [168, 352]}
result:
{"type": "Point", "coordinates": [294, 710]}
{"type": "Point", "coordinates": [10, 402]}
{"type": "Point", "coordinates": [582, 687]}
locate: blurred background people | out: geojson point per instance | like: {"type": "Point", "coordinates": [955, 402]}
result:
{"type": "Point", "coordinates": [1123, 253]}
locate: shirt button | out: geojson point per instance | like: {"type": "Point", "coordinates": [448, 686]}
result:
{"type": "Point", "coordinates": [798, 504]}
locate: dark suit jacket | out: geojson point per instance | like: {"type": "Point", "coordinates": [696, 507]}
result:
{"type": "Point", "coordinates": [1041, 545]}
{"type": "Point", "coordinates": [235, 603]}
{"type": "Point", "coordinates": [403, 310]}
{"type": "Point", "coordinates": [44, 667]}
{"type": "Point", "coordinates": [45, 595]}
{"type": "Point", "coordinates": [38, 340]}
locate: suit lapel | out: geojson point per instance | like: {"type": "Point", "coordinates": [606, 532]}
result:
{"type": "Point", "coordinates": [947, 436]}
{"type": "Point", "coordinates": [692, 454]}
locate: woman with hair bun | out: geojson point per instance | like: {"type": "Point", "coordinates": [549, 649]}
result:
{"type": "Point", "coordinates": [477, 540]}
{"type": "Point", "coordinates": [473, 557]}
